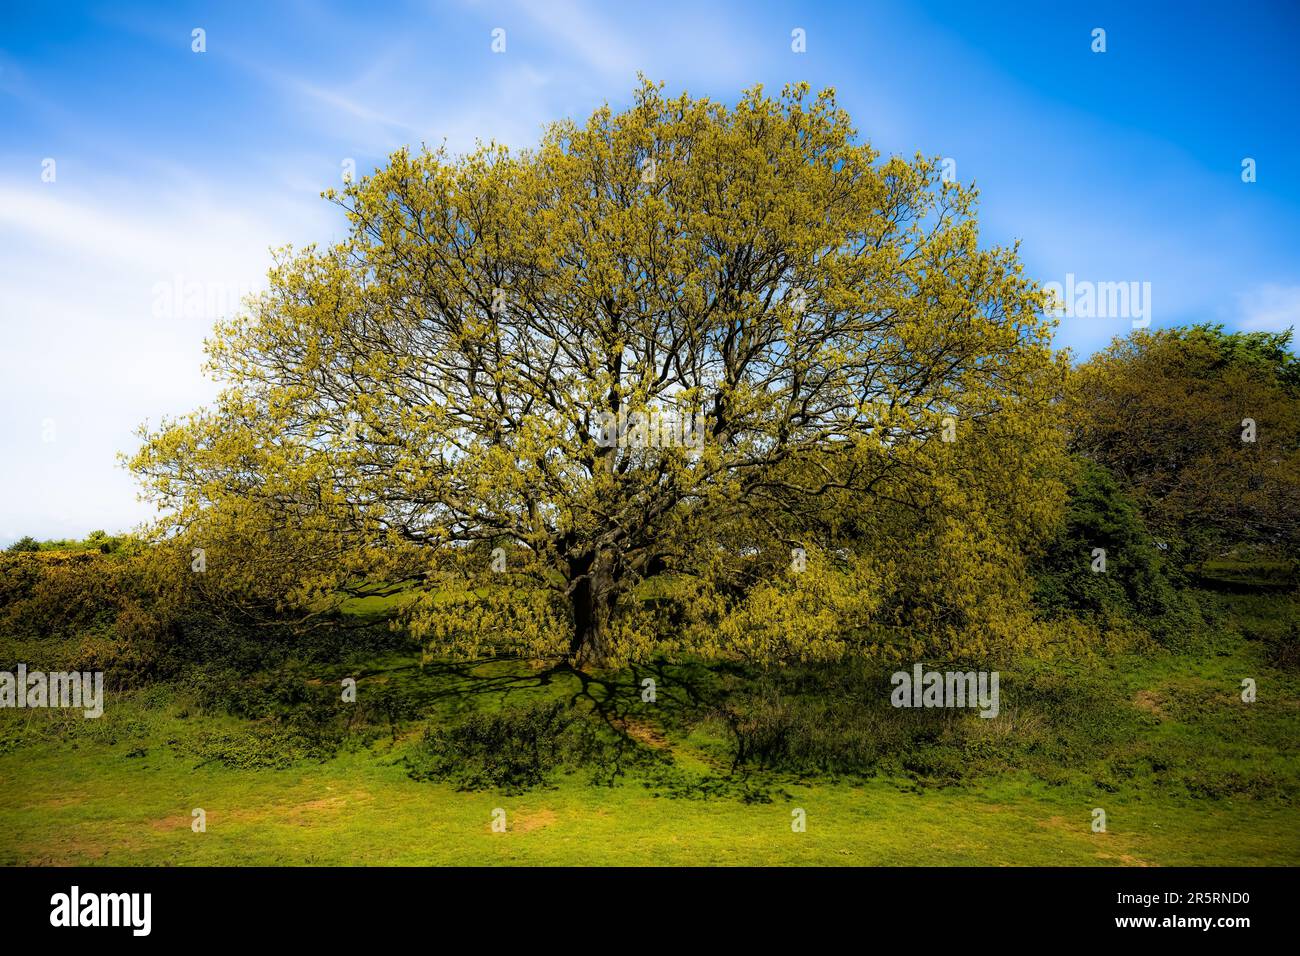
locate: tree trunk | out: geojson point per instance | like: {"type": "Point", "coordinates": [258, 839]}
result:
{"type": "Point", "coordinates": [591, 597]}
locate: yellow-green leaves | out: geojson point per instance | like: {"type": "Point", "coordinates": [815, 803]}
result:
{"type": "Point", "coordinates": [438, 384]}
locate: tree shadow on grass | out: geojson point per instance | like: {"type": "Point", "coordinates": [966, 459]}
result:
{"type": "Point", "coordinates": [624, 734]}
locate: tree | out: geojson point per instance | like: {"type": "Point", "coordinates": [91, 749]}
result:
{"type": "Point", "coordinates": [1203, 426]}
{"type": "Point", "coordinates": [25, 543]}
{"type": "Point", "coordinates": [1140, 582]}
{"type": "Point", "coordinates": [663, 343]}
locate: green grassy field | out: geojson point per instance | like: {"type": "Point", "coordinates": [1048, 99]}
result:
{"type": "Point", "coordinates": [1186, 773]}
{"type": "Point", "coordinates": [104, 809]}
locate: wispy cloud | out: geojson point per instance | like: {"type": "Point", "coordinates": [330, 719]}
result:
{"type": "Point", "coordinates": [585, 34]}
{"type": "Point", "coordinates": [1269, 308]}
{"type": "Point", "coordinates": [106, 295]}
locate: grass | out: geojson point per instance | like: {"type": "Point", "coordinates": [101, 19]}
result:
{"type": "Point", "coordinates": [101, 808]}
{"type": "Point", "coordinates": [1186, 772]}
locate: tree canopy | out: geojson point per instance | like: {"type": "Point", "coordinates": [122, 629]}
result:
{"type": "Point", "coordinates": [723, 364]}
{"type": "Point", "coordinates": [1204, 426]}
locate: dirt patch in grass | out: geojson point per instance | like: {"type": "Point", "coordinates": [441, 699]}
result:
{"type": "Point", "coordinates": [305, 813]}
{"type": "Point", "coordinates": [1149, 701]}
{"type": "Point", "coordinates": [644, 734]}
{"type": "Point", "coordinates": [167, 824]}
{"type": "Point", "coordinates": [527, 822]}
{"type": "Point", "coordinates": [1124, 859]}
{"type": "Point", "coordinates": [1104, 841]}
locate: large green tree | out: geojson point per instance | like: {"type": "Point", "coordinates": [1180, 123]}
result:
{"type": "Point", "coordinates": [465, 372]}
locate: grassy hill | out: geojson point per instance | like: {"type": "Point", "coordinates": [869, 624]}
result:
{"type": "Point", "coordinates": [712, 771]}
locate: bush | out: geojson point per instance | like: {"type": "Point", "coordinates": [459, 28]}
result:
{"type": "Point", "coordinates": [88, 611]}
{"type": "Point", "coordinates": [260, 748]}
{"type": "Point", "coordinates": [514, 750]}
{"type": "Point", "coordinates": [824, 720]}
{"type": "Point", "coordinates": [806, 734]}
{"type": "Point", "coordinates": [1141, 581]}
{"type": "Point", "coordinates": [521, 748]}
{"type": "Point", "coordinates": [133, 615]}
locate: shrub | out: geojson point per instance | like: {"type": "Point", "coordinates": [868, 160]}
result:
{"type": "Point", "coordinates": [259, 747]}
{"type": "Point", "coordinates": [786, 729]}
{"type": "Point", "coordinates": [823, 720]}
{"type": "Point", "coordinates": [88, 611]}
{"type": "Point", "coordinates": [515, 749]}
{"type": "Point", "coordinates": [1140, 581]}
{"type": "Point", "coordinates": [135, 616]}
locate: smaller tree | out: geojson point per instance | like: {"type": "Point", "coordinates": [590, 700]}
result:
{"type": "Point", "coordinates": [1203, 426]}
{"type": "Point", "coordinates": [1140, 571]}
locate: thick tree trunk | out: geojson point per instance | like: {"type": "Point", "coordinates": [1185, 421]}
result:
{"type": "Point", "coordinates": [591, 598]}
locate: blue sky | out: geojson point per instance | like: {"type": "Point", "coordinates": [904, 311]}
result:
{"type": "Point", "coordinates": [175, 172]}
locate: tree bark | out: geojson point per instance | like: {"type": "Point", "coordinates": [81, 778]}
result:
{"type": "Point", "coordinates": [591, 597]}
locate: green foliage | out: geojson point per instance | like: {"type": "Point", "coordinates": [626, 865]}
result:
{"type": "Point", "coordinates": [1267, 354]}
{"type": "Point", "coordinates": [447, 376]}
{"type": "Point", "coordinates": [100, 541]}
{"type": "Point", "coordinates": [524, 746]}
{"type": "Point", "coordinates": [1203, 427]}
{"type": "Point", "coordinates": [285, 695]}
{"type": "Point", "coordinates": [812, 721]}
{"type": "Point", "coordinates": [269, 747]}
{"type": "Point", "coordinates": [1265, 616]}
{"type": "Point", "coordinates": [1247, 572]}
{"type": "Point", "coordinates": [515, 749]}
{"type": "Point", "coordinates": [1140, 581]}
{"type": "Point", "coordinates": [1161, 734]}
{"type": "Point", "coordinates": [810, 735]}
{"type": "Point", "coordinates": [1120, 727]}
{"type": "Point", "coordinates": [304, 712]}
{"type": "Point", "coordinates": [89, 611]}
{"type": "Point", "coordinates": [143, 615]}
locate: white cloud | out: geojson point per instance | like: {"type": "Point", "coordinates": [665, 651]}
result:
{"type": "Point", "coordinates": [1269, 308]}
{"type": "Point", "coordinates": [87, 358]}
{"type": "Point", "coordinates": [572, 28]}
